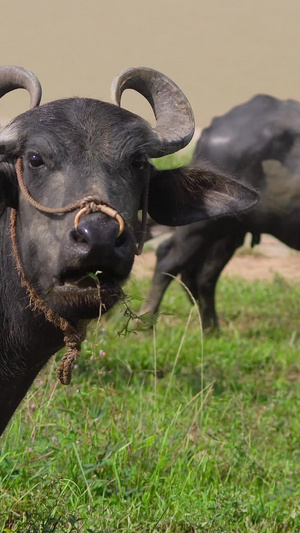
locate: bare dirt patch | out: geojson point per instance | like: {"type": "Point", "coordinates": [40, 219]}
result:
{"type": "Point", "coordinates": [266, 260]}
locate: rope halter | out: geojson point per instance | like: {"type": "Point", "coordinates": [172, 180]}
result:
{"type": "Point", "coordinates": [73, 335]}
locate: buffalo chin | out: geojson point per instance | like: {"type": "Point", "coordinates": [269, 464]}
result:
{"type": "Point", "coordinates": [77, 303]}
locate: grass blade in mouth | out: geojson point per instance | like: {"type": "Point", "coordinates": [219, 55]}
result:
{"type": "Point", "coordinates": [94, 276]}
{"type": "Point", "coordinates": [88, 280]}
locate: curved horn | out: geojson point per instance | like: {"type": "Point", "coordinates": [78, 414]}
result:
{"type": "Point", "coordinates": [174, 116]}
{"type": "Point", "coordinates": [12, 77]}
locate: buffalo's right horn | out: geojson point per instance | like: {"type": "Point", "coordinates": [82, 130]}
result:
{"type": "Point", "coordinates": [174, 116]}
{"type": "Point", "coordinates": [12, 77]}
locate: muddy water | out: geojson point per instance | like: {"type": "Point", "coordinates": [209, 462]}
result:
{"type": "Point", "coordinates": [220, 52]}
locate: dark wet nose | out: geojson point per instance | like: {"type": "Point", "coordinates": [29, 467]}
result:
{"type": "Point", "coordinates": [97, 231]}
{"type": "Point", "coordinates": [98, 243]}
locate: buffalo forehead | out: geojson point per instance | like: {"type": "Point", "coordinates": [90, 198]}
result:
{"type": "Point", "coordinates": [85, 125]}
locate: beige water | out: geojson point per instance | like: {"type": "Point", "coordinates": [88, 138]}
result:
{"type": "Point", "coordinates": [220, 52]}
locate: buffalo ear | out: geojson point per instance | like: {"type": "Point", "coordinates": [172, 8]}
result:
{"type": "Point", "coordinates": [189, 194]}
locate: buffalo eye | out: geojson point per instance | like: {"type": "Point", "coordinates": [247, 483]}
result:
{"type": "Point", "coordinates": [139, 162]}
{"type": "Point", "coordinates": [35, 160]}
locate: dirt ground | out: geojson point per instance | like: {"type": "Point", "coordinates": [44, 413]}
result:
{"type": "Point", "coordinates": [262, 263]}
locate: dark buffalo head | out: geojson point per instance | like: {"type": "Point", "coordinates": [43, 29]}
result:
{"type": "Point", "coordinates": [77, 148]}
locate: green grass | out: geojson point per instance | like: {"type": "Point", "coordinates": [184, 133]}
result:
{"type": "Point", "coordinates": [155, 436]}
{"type": "Point", "coordinates": [176, 160]}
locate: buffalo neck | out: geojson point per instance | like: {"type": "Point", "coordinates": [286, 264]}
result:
{"type": "Point", "coordinates": [27, 340]}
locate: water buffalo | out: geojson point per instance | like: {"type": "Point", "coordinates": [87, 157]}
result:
{"type": "Point", "coordinates": [258, 143]}
{"type": "Point", "coordinates": [73, 175]}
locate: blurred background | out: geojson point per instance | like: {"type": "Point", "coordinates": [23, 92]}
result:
{"type": "Point", "coordinates": [220, 52]}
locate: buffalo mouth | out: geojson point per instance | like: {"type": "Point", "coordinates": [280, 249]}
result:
{"type": "Point", "coordinates": [84, 295]}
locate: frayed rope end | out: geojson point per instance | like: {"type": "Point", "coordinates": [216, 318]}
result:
{"type": "Point", "coordinates": [73, 339]}
{"type": "Point", "coordinates": [64, 371]}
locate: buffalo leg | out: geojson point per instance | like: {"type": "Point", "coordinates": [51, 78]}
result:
{"type": "Point", "coordinates": [173, 257]}
{"type": "Point", "coordinates": [207, 275]}
{"type": "Point", "coordinates": [165, 263]}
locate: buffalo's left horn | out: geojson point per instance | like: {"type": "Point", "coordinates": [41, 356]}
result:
{"type": "Point", "coordinates": [174, 116]}
{"type": "Point", "coordinates": [12, 77]}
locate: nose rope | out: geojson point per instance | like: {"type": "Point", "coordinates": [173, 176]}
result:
{"type": "Point", "coordinates": [73, 335]}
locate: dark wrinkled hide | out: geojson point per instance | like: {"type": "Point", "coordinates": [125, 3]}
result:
{"type": "Point", "coordinates": [72, 149]}
{"type": "Point", "coordinates": [258, 143]}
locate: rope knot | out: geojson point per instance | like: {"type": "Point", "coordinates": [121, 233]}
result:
{"type": "Point", "coordinates": [73, 339]}
{"type": "Point", "coordinates": [89, 200]}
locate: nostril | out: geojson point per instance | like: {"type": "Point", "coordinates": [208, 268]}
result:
{"type": "Point", "coordinates": [120, 240]}
{"type": "Point", "coordinates": [77, 237]}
